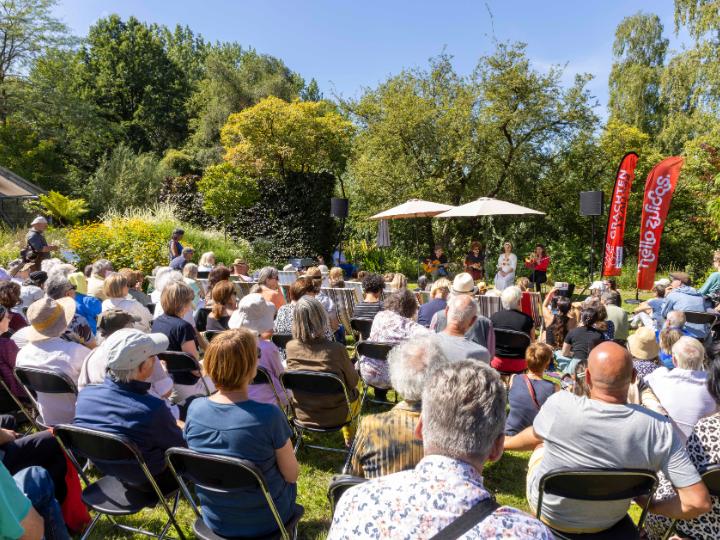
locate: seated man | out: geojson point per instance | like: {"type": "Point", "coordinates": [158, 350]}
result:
{"type": "Point", "coordinates": [123, 405]}
{"type": "Point", "coordinates": [385, 443]}
{"type": "Point", "coordinates": [462, 422]}
{"type": "Point", "coordinates": [604, 431]}
{"type": "Point", "coordinates": [461, 313]}
{"type": "Point", "coordinates": [682, 297]}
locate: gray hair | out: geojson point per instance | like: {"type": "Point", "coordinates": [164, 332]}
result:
{"type": "Point", "coordinates": [190, 270]}
{"type": "Point", "coordinates": [124, 375]}
{"type": "Point", "coordinates": [675, 319]}
{"type": "Point", "coordinates": [611, 298]}
{"type": "Point", "coordinates": [510, 297]}
{"type": "Point", "coordinates": [57, 286]}
{"type": "Point", "coordinates": [310, 320]}
{"type": "Point", "coordinates": [408, 363]}
{"type": "Point", "coordinates": [461, 309]}
{"type": "Point", "coordinates": [166, 278]}
{"type": "Point", "coordinates": [689, 353]}
{"type": "Point", "coordinates": [265, 273]}
{"type": "Point", "coordinates": [100, 266]}
{"type": "Point", "coordinates": [463, 409]}
{"type": "Point", "coordinates": [187, 250]}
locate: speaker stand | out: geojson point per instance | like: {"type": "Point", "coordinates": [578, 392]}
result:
{"type": "Point", "coordinates": [592, 248]}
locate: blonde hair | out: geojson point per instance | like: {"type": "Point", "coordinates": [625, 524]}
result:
{"type": "Point", "coordinates": [231, 359]}
{"type": "Point", "coordinates": [523, 283]}
{"type": "Point", "coordinates": [175, 297]}
{"type": "Point", "coordinates": [538, 356]}
{"type": "Point", "coordinates": [205, 259]}
{"type": "Point", "coordinates": [442, 285]}
{"type": "Point", "coordinates": [336, 274]}
{"type": "Point", "coordinates": [114, 285]}
{"type": "Point", "coordinates": [398, 282]}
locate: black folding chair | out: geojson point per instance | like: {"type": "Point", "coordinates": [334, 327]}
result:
{"type": "Point", "coordinates": [10, 404]}
{"type": "Point", "coordinates": [339, 484]}
{"type": "Point", "coordinates": [211, 334]}
{"type": "Point", "coordinates": [700, 317]}
{"type": "Point", "coordinates": [306, 385]}
{"type": "Point", "coordinates": [600, 485]}
{"type": "Point", "coordinates": [108, 496]}
{"type": "Point", "coordinates": [711, 478]}
{"type": "Point", "coordinates": [263, 377]}
{"type": "Point", "coordinates": [510, 344]}
{"type": "Point", "coordinates": [361, 327]}
{"type": "Point", "coordinates": [38, 380]}
{"type": "Point", "coordinates": [151, 309]}
{"type": "Point", "coordinates": [203, 274]}
{"type": "Point", "coordinates": [281, 340]}
{"type": "Point", "coordinates": [379, 351]}
{"type": "Point", "coordinates": [201, 318]}
{"type": "Point", "coordinates": [224, 474]}
{"type": "Point", "coordinates": [180, 366]}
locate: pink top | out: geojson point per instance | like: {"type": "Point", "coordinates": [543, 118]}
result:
{"type": "Point", "coordinates": [270, 360]}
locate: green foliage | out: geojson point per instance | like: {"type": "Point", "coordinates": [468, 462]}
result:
{"type": "Point", "coordinates": [227, 191]}
{"type": "Point", "coordinates": [126, 180]}
{"type": "Point", "coordinates": [25, 153]}
{"type": "Point", "coordinates": [64, 210]}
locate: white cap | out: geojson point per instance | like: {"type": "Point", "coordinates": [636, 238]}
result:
{"type": "Point", "coordinates": [38, 220]}
{"type": "Point", "coordinates": [664, 282]}
{"type": "Point", "coordinates": [128, 348]}
{"type": "Point", "coordinates": [597, 285]}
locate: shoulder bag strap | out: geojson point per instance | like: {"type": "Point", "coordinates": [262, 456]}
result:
{"type": "Point", "coordinates": [531, 390]}
{"type": "Point", "coordinates": [476, 514]}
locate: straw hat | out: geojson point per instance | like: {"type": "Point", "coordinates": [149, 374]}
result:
{"type": "Point", "coordinates": [463, 284]}
{"type": "Point", "coordinates": [49, 318]}
{"type": "Point", "coordinates": [642, 344]}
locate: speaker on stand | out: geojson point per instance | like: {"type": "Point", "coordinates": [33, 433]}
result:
{"type": "Point", "coordinates": [591, 204]}
{"type": "Point", "coordinates": [339, 208]}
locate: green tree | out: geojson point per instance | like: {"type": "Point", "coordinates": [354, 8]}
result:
{"type": "Point", "coordinates": [27, 29]}
{"type": "Point", "coordinates": [639, 56]}
{"type": "Point", "coordinates": [64, 210]}
{"type": "Point", "coordinates": [33, 158]}
{"type": "Point", "coordinates": [226, 192]}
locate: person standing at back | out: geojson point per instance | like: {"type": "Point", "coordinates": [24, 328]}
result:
{"type": "Point", "coordinates": [174, 246]}
{"type": "Point", "coordinates": [37, 249]}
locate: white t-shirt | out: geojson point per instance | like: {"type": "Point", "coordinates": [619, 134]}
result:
{"type": "Point", "coordinates": [683, 394]}
{"type": "Point", "coordinates": [59, 355]}
{"type": "Point", "coordinates": [580, 432]}
{"type": "Point", "coordinates": [133, 307]}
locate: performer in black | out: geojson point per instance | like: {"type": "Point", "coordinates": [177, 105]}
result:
{"type": "Point", "coordinates": [475, 261]}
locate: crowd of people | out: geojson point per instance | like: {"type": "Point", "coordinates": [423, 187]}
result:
{"type": "Point", "coordinates": [584, 392]}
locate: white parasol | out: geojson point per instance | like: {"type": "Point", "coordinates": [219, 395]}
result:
{"type": "Point", "coordinates": [487, 206]}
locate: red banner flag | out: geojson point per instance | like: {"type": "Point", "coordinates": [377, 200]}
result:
{"type": "Point", "coordinates": [613, 253]}
{"type": "Point", "coordinates": [659, 190]}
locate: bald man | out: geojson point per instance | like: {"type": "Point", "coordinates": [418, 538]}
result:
{"type": "Point", "coordinates": [604, 431]}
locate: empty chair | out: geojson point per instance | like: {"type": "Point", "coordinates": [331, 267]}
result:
{"type": "Point", "coordinates": [378, 351]}
{"type": "Point", "coordinates": [108, 496]}
{"type": "Point", "coordinates": [39, 381]}
{"type": "Point", "coordinates": [225, 475]}
{"type": "Point", "coordinates": [361, 327]}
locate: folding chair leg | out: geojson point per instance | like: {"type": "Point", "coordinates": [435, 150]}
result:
{"type": "Point", "coordinates": [166, 528]}
{"type": "Point", "coordinates": [298, 441]}
{"type": "Point", "coordinates": [171, 515]}
{"type": "Point", "coordinates": [670, 530]}
{"type": "Point", "coordinates": [94, 521]}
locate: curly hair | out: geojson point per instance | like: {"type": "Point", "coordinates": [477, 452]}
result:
{"type": "Point", "coordinates": [9, 294]}
{"type": "Point", "coordinates": [373, 283]}
{"type": "Point", "coordinates": [403, 303]}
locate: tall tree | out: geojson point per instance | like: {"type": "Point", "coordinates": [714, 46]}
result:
{"type": "Point", "coordinates": [27, 29]}
{"type": "Point", "coordinates": [639, 54]}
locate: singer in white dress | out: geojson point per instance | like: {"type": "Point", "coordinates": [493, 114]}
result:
{"type": "Point", "coordinates": [507, 263]}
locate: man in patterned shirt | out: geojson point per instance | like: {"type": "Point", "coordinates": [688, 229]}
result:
{"type": "Point", "coordinates": [461, 426]}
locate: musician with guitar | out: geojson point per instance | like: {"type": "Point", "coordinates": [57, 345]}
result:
{"type": "Point", "coordinates": [538, 262]}
{"type": "Point", "coordinates": [475, 261]}
{"type": "Point", "coordinates": [436, 264]}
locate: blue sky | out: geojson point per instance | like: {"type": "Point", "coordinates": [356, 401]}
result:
{"type": "Point", "coordinates": [348, 45]}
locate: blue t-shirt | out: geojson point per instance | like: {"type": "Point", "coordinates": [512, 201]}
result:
{"type": "Point", "coordinates": [657, 305]}
{"type": "Point", "coordinates": [426, 311]}
{"type": "Point", "coordinates": [523, 409]}
{"type": "Point", "coordinates": [89, 307]}
{"type": "Point", "coordinates": [246, 430]}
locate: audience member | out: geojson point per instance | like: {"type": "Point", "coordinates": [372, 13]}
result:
{"type": "Point", "coordinates": [117, 296]}
{"type": "Point", "coordinates": [603, 431]}
{"type": "Point", "coordinates": [8, 356]}
{"type": "Point", "coordinates": [644, 351]}
{"type": "Point", "coordinates": [336, 279]}
{"type": "Point", "coordinates": [392, 325]}
{"type": "Point", "coordinates": [10, 300]}
{"type": "Point", "coordinates": [361, 275]}
{"type": "Point", "coordinates": [100, 270]}
{"type": "Point", "coordinates": [232, 423]}
{"type": "Point", "coordinates": [557, 320]}
{"type": "Point", "coordinates": [32, 289]}
{"type": "Point", "coordinates": [439, 292]}
{"type": "Point", "coordinates": [78, 331]}
{"type": "Point", "coordinates": [616, 314]}
{"type": "Point", "coordinates": [311, 350]}
{"type": "Point", "coordinates": [179, 262]}
{"type": "Point", "coordinates": [583, 339]}
{"type": "Point", "coordinates": [206, 262]}
{"type": "Point", "coordinates": [135, 281]}
{"type": "Point", "coordinates": [190, 277]}
{"type": "Point", "coordinates": [712, 283]}
{"type": "Point", "coordinates": [682, 297]}
{"type": "Point", "coordinates": [255, 313]}
{"type": "Point", "coordinates": [224, 304]}
{"type": "Point", "coordinates": [46, 349]}
{"type": "Point", "coordinates": [463, 415]}
{"type": "Point", "coordinates": [303, 286]}
{"type": "Point", "coordinates": [216, 275]}
{"type": "Point", "coordinates": [461, 313]}
{"type": "Point", "coordinates": [682, 392]}
{"type": "Point", "coordinates": [315, 274]}
{"type": "Point", "coordinates": [386, 443]}
{"type": "Point", "coordinates": [481, 332]}
{"type": "Point", "coordinates": [398, 282]}
{"type": "Point", "coordinates": [528, 391]}
{"type": "Point", "coordinates": [652, 308]}
{"type": "Point", "coordinates": [87, 306]}
{"type": "Point", "coordinates": [123, 405]}
{"type": "Point", "coordinates": [373, 286]}
{"type": "Point", "coordinates": [704, 451]}
{"type": "Point", "coordinates": [508, 358]}
{"type": "Point", "coordinates": [240, 269]}
{"type": "Point", "coordinates": [269, 283]}
{"type": "Point", "coordinates": [673, 330]}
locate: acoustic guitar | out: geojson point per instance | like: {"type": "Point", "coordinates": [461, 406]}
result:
{"type": "Point", "coordinates": [431, 266]}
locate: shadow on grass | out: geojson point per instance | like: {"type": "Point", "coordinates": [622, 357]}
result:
{"type": "Point", "coordinates": [506, 479]}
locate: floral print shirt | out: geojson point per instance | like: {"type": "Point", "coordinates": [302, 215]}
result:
{"type": "Point", "coordinates": [417, 504]}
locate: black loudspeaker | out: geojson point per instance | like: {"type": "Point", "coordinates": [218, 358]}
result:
{"type": "Point", "coordinates": [591, 203]}
{"type": "Point", "coordinates": [339, 207]}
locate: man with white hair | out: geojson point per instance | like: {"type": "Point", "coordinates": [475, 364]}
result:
{"type": "Point", "coordinates": [95, 283]}
{"type": "Point", "coordinates": [385, 443]}
{"type": "Point", "coordinates": [461, 313]}
{"type": "Point", "coordinates": [682, 391]}
{"type": "Point", "coordinates": [461, 427]}
{"type": "Point", "coordinates": [481, 332]}
{"type": "Point", "coordinates": [37, 249]}
{"type": "Point", "coordinates": [507, 358]}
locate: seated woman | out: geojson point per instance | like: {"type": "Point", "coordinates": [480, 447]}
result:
{"type": "Point", "coordinates": [256, 314]}
{"type": "Point", "coordinates": [303, 286]}
{"type": "Point", "coordinates": [269, 286]}
{"type": "Point", "coordinates": [216, 275]}
{"type": "Point", "coordinates": [580, 341]}
{"type": "Point", "coordinates": [703, 450]}
{"type": "Point", "coordinates": [8, 355]}
{"type": "Point", "coordinates": [311, 350]}
{"type": "Point", "coordinates": [336, 278]}
{"type": "Point", "coordinates": [373, 285]}
{"type": "Point", "coordinates": [644, 351]}
{"type": "Point", "coordinates": [135, 281]}
{"type": "Point", "coordinates": [398, 283]}
{"type": "Point", "coordinates": [394, 324]}
{"type": "Point", "coordinates": [116, 291]}
{"type": "Point", "coordinates": [509, 358]}
{"type": "Point", "coordinates": [438, 301]}
{"type": "Point", "coordinates": [206, 262]}
{"type": "Point", "coordinates": [229, 423]}
{"type": "Point", "coordinates": [176, 300]}
{"type": "Point", "coordinates": [527, 392]}
{"type": "Point", "coordinates": [224, 305]}
{"type": "Point", "coordinates": [557, 320]}
{"type": "Point", "coordinates": [190, 276]}
{"type": "Point", "coordinates": [10, 294]}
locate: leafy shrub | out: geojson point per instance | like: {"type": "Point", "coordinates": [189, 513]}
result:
{"type": "Point", "coordinates": [64, 210]}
